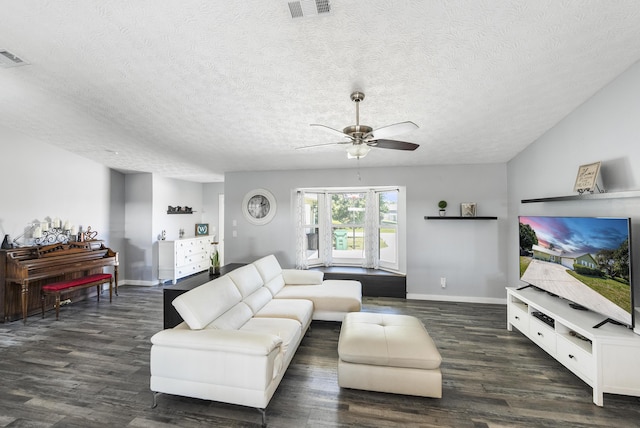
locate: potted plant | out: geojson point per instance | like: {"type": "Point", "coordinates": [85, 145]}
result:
{"type": "Point", "coordinates": [442, 205]}
{"type": "Point", "coordinates": [215, 260]}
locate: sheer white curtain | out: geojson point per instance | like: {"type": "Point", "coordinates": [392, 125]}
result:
{"type": "Point", "coordinates": [371, 238]}
{"type": "Point", "coordinates": [301, 254]}
{"type": "Point", "coordinates": [326, 231]}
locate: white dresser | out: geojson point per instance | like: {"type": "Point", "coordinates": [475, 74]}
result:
{"type": "Point", "coordinates": [183, 257]}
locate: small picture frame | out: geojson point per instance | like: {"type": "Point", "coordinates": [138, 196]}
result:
{"type": "Point", "coordinates": [468, 209]}
{"type": "Point", "coordinates": [587, 179]}
{"type": "Point", "coordinates": [202, 229]}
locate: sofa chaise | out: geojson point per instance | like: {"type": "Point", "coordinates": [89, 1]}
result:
{"type": "Point", "coordinates": [241, 331]}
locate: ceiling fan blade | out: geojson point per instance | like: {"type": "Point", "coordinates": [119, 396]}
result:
{"type": "Point", "coordinates": [324, 144]}
{"type": "Point", "coordinates": [393, 144]}
{"type": "Point", "coordinates": [391, 130]}
{"type": "Point", "coordinates": [333, 131]}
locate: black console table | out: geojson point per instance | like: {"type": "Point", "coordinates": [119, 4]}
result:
{"type": "Point", "coordinates": [171, 317]}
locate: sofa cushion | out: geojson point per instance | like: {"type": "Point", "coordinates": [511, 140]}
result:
{"type": "Point", "coordinates": [302, 277]}
{"type": "Point", "coordinates": [258, 299]}
{"type": "Point", "coordinates": [233, 319]}
{"type": "Point", "coordinates": [289, 330]}
{"type": "Point", "coordinates": [247, 279]}
{"type": "Point", "coordinates": [332, 295]}
{"type": "Point", "coordinates": [200, 306]}
{"type": "Point", "coordinates": [271, 273]}
{"type": "Point", "coordinates": [296, 309]}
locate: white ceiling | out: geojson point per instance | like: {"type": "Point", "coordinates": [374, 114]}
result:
{"type": "Point", "coordinates": [193, 89]}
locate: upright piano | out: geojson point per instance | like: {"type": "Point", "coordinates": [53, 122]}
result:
{"type": "Point", "coordinates": [23, 272]}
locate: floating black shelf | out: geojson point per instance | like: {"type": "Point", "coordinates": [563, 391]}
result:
{"type": "Point", "coordinates": [180, 212]}
{"type": "Point", "coordinates": [586, 197]}
{"type": "Point", "coordinates": [458, 218]}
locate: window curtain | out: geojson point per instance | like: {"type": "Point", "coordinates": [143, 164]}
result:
{"type": "Point", "coordinates": [301, 254]}
{"type": "Point", "coordinates": [326, 232]}
{"type": "Point", "coordinates": [371, 237]}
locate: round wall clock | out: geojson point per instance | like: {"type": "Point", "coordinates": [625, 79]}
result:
{"type": "Point", "coordinates": [259, 206]}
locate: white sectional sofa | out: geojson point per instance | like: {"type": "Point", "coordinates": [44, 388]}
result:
{"type": "Point", "coordinates": [241, 330]}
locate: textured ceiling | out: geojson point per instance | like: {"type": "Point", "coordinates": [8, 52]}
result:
{"type": "Point", "coordinates": [193, 89]}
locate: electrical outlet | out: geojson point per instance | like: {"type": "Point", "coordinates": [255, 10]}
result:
{"type": "Point", "coordinates": [443, 282]}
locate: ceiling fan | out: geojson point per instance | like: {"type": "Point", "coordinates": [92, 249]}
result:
{"type": "Point", "coordinates": [361, 138]}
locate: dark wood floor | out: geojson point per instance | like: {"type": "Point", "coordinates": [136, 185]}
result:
{"type": "Point", "coordinates": [91, 369]}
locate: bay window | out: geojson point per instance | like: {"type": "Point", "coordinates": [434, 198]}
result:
{"type": "Point", "coordinates": [348, 227]}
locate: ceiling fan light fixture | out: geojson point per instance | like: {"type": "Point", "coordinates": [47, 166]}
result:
{"type": "Point", "coordinates": [356, 151]}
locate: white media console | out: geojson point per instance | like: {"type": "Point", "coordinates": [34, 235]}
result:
{"type": "Point", "coordinates": [606, 358]}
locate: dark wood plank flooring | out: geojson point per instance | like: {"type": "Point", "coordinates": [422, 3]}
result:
{"type": "Point", "coordinates": [91, 369]}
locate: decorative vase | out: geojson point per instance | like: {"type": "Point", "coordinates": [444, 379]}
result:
{"type": "Point", "coordinates": [6, 243]}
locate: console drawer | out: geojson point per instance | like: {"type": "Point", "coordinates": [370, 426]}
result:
{"type": "Point", "coordinates": [519, 318]}
{"type": "Point", "coordinates": [575, 358]}
{"type": "Point", "coordinates": [543, 335]}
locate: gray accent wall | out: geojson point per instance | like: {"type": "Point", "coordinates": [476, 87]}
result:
{"type": "Point", "coordinates": [605, 128]}
{"type": "Point", "coordinates": [470, 254]}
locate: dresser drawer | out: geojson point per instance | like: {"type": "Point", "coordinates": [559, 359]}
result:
{"type": "Point", "coordinates": [197, 257]}
{"type": "Point", "coordinates": [189, 269]}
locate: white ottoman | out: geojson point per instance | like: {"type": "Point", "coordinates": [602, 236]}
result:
{"type": "Point", "coordinates": [388, 353]}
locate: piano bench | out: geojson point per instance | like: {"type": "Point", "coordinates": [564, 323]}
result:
{"type": "Point", "coordinates": [60, 288]}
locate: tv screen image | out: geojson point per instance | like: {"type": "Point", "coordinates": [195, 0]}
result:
{"type": "Point", "coordinates": [583, 259]}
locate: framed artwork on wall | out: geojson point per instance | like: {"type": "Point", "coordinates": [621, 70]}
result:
{"type": "Point", "coordinates": [468, 209]}
{"type": "Point", "coordinates": [588, 178]}
{"type": "Point", "coordinates": [202, 229]}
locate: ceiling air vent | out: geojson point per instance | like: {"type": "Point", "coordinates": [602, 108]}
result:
{"type": "Point", "coordinates": [307, 8]}
{"type": "Point", "coordinates": [7, 59]}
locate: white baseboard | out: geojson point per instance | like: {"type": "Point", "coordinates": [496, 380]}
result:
{"type": "Point", "coordinates": [137, 282]}
{"type": "Point", "coordinates": [462, 299]}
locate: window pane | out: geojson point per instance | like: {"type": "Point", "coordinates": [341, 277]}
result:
{"type": "Point", "coordinates": [348, 208]}
{"type": "Point", "coordinates": [311, 208]}
{"type": "Point", "coordinates": [347, 211]}
{"type": "Point", "coordinates": [388, 245]}
{"type": "Point", "coordinates": [388, 227]}
{"type": "Point", "coordinates": [311, 230]}
{"type": "Point", "coordinates": [348, 243]}
{"type": "Point", "coordinates": [312, 235]}
{"type": "Point", "coordinates": [388, 207]}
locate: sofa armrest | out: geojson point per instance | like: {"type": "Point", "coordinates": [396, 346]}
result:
{"type": "Point", "coordinates": [231, 341]}
{"type": "Point", "coordinates": [302, 277]}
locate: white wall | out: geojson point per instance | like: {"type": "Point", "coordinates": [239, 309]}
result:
{"type": "Point", "coordinates": [210, 198]}
{"type": "Point", "coordinates": [147, 199]}
{"type": "Point", "coordinates": [470, 254]}
{"type": "Point", "coordinates": [40, 180]}
{"type": "Point", "coordinates": [606, 128]}
{"type": "Point", "coordinates": [170, 192]}
{"type": "Point", "coordinates": [138, 266]}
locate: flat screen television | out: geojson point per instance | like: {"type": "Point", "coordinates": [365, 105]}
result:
{"type": "Point", "coordinates": [586, 260]}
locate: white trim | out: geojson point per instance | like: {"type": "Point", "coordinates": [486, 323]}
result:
{"type": "Point", "coordinates": [461, 299]}
{"type": "Point", "coordinates": [140, 282]}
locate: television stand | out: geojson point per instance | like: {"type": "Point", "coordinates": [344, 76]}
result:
{"type": "Point", "coordinates": [604, 357]}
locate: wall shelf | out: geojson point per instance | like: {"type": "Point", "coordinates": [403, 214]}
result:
{"type": "Point", "coordinates": [458, 218]}
{"type": "Point", "coordinates": [586, 196]}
